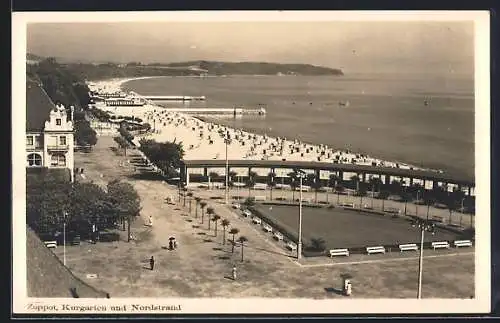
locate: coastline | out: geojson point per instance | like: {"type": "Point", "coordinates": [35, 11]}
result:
{"type": "Point", "coordinates": [192, 129]}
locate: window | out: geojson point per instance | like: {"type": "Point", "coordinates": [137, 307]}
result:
{"type": "Point", "coordinates": [34, 160]}
{"type": "Point", "coordinates": [58, 160]}
{"type": "Point", "coordinates": [29, 140]}
{"type": "Point", "coordinates": [62, 140]}
{"type": "Point", "coordinates": [58, 122]}
{"type": "Point", "coordinates": [38, 142]}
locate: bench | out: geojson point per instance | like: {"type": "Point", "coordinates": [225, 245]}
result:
{"type": "Point", "coordinates": [408, 247]}
{"type": "Point", "coordinates": [440, 245]}
{"type": "Point", "coordinates": [462, 243]}
{"type": "Point", "coordinates": [256, 220]}
{"type": "Point", "coordinates": [372, 250]}
{"type": "Point", "coordinates": [267, 228]}
{"type": "Point", "coordinates": [292, 246]}
{"type": "Point", "coordinates": [339, 252]}
{"type": "Point", "coordinates": [278, 236]}
{"type": "Point", "coordinates": [259, 198]}
{"type": "Point", "coordinates": [50, 244]}
{"type": "Point", "coordinates": [437, 219]}
{"type": "Point", "coordinates": [350, 205]}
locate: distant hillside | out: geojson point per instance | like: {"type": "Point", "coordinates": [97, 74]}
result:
{"type": "Point", "coordinates": [256, 68]}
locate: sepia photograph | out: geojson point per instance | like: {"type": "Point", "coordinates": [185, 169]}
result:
{"type": "Point", "coordinates": [251, 162]}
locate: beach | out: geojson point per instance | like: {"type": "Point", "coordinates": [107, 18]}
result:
{"type": "Point", "coordinates": [206, 140]}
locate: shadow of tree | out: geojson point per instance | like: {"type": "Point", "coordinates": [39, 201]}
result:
{"type": "Point", "coordinates": [334, 290]}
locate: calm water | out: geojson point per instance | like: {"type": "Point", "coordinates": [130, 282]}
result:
{"type": "Point", "coordinates": [386, 116]}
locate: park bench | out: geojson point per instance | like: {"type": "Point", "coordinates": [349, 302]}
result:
{"type": "Point", "coordinates": [50, 244]}
{"type": "Point", "coordinates": [256, 220]}
{"type": "Point", "coordinates": [408, 247]}
{"type": "Point", "coordinates": [339, 252]}
{"type": "Point", "coordinates": [440, 245]}
{"type": "Point", "coordinates": [260, 187]}
{"type": "Point", "coordinates": [267, 228]}
{"type": "Point", "coordinates": [437, 219]}
{"type": "Point", "coordinates": [278, 236]}
{"type": "Point", "coordinates": [246, 213]}
{"type": "Point", "coordinates": [462, 243]}
{"type": "Point", "coordinates": [350, 205]}
{"type": "Point", "coordinates": [292, 246]}
{"type": "Point", "coordinates": [372, 250]}
{"type": "Point", "coordinates": [259, 198]}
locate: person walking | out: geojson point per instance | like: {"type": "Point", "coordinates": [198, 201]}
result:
{"type": "Point", "coordinates": [234, 272]}
{"type": "Point", "coordinates": [152, 263]}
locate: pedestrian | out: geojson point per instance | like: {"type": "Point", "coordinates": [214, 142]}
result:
{"type": "Point", "coordinates": [152, 262]}
{"type": "Point", "coordinates": [170, 245]}
{"type": "Point", "coordinates": [175, 244]}
{"type": "Point", "coordinates": [234, 272]}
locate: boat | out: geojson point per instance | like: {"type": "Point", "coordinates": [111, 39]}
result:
{"type": "Point", "coordinates": [344, 104]}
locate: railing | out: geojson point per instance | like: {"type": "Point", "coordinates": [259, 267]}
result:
{"type": "Point", "coordinates": [57, 147]}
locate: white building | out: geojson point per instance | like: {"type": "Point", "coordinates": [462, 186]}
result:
{"type": "Point", "coordinates": [49, 132]}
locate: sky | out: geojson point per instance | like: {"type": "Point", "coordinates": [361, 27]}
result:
{"type": "Point", "coordinates": [355, 47]}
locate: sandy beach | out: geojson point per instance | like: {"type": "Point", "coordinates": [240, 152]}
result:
{"type": "Point", "coordinates": [206, 140]}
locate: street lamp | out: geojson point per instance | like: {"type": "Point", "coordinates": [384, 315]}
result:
{"type": "Point", "coordinates": [227, 141]}
{"type": "Point", "coordinates": [64, 237]}
{"type": "Point", "coordinates": [424, 225]}
{"type": "Point", "coordinates": [300, 175]}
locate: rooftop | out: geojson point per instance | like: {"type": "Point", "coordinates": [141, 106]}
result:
{"type": "Point", "coordinates": [413, 173]}
{"type": "Point", "coordinates": [38, 106]}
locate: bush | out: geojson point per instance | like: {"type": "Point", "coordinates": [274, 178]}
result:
{"type": "Point", "coordinates": [109, 236]}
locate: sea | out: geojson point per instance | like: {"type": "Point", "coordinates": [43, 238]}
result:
{"type": "Point", "coordinates": [420, 119]}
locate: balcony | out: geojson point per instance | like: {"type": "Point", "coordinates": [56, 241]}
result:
{"type": "Point", "coordinates": [58, 147]}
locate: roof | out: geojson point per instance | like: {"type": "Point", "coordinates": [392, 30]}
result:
{"type": "Point", "coordinates": [400, 172]}
{"type": "Point", "coordinates": [38, 106]}
{"type": "Point", "coordinates": [48, 277]}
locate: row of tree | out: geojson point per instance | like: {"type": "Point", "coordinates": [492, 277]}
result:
{"type": "Point", "coordinates": [211, 217]}
{"type": "Point", "coordinates": [53, 204]}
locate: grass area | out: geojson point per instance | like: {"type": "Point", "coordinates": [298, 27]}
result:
{"type": "Point", "coordinates": [201, 265]}
{"type": "Point", "coordinates": [342, 228]}
{"type": "Point", "coordinates": [47, 276]}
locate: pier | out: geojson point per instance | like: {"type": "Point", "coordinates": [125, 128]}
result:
{"type": "Point", "coordinates": [220, 111]}
{"type": "Point", "coordinates": [174, 98]}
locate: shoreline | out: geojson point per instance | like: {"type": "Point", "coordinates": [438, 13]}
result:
{"type": "Point", "coordinates": [297, 150]}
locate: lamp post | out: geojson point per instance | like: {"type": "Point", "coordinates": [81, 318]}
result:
{"type": "Point", "coordinates": [424, 225]}
{"type": "Point", "coordinates": [227, 141]}
{"type": "Point", "coordinates": [64, 237]}
{"type": "Point", "coordinates": [299, 244]}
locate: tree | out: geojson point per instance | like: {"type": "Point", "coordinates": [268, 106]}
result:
{"type": "Point", "coordinates": [332, 183]}
{"type": "Point", "coordinates": [314, 183]}
{"type": "Point", "coordinates": [318, 244]}
{"type": "Point", "coordinates": [184, 194]}
{"type": "Point", "coordinates": [225, 223]}
{"type": "Point", "coordinates": [405, 197]}
{"type": "Point", "coordinates": [122, 143]}
{"type": "Point", "coordinates": [233, 231]}
{"type": "Point", "coordinates": [215, 218]}
{"type": "Point", "coordinates": [355, 181]}
{"type": "Point", "coordinates": [211, 178]}
{"type": "Point", "coordinates": [252, 177]}
{"type": "Point", "coordinates": [242, 240]}
{"type": "Point", "coordinates": [232, 174]}
{"type": "Point", "coordinates": [429, 200]}
{"type": "Point", "coordinates": [383, 195]}
{"type": "Point", "coordinates": [125, 201]}
{"type": "Point", "coordinates": [210, 212]}
{"type": "Point", "coordinates": [293, 183]}
{"type": "Point", "coordinates": [84, 134]}
{"type": "Point", "coordinates": [166, 155]}
{"type": "Point", "coordinates": [203, 204]}
{"type": "Point", "coordinates": [271, 183]}
{"type": "Point", "coordinates": [249, 202]}
{"type": "Point", "coordinates": [190, 195]}
{"type": "Point", "coordinates": [198, 200]}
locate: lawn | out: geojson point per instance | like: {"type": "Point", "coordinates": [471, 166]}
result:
{"type": "Point", "coordinates": [342, 228]}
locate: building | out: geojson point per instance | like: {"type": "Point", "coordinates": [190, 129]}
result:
{"type": "Point", "coordinates": [49, 132]}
